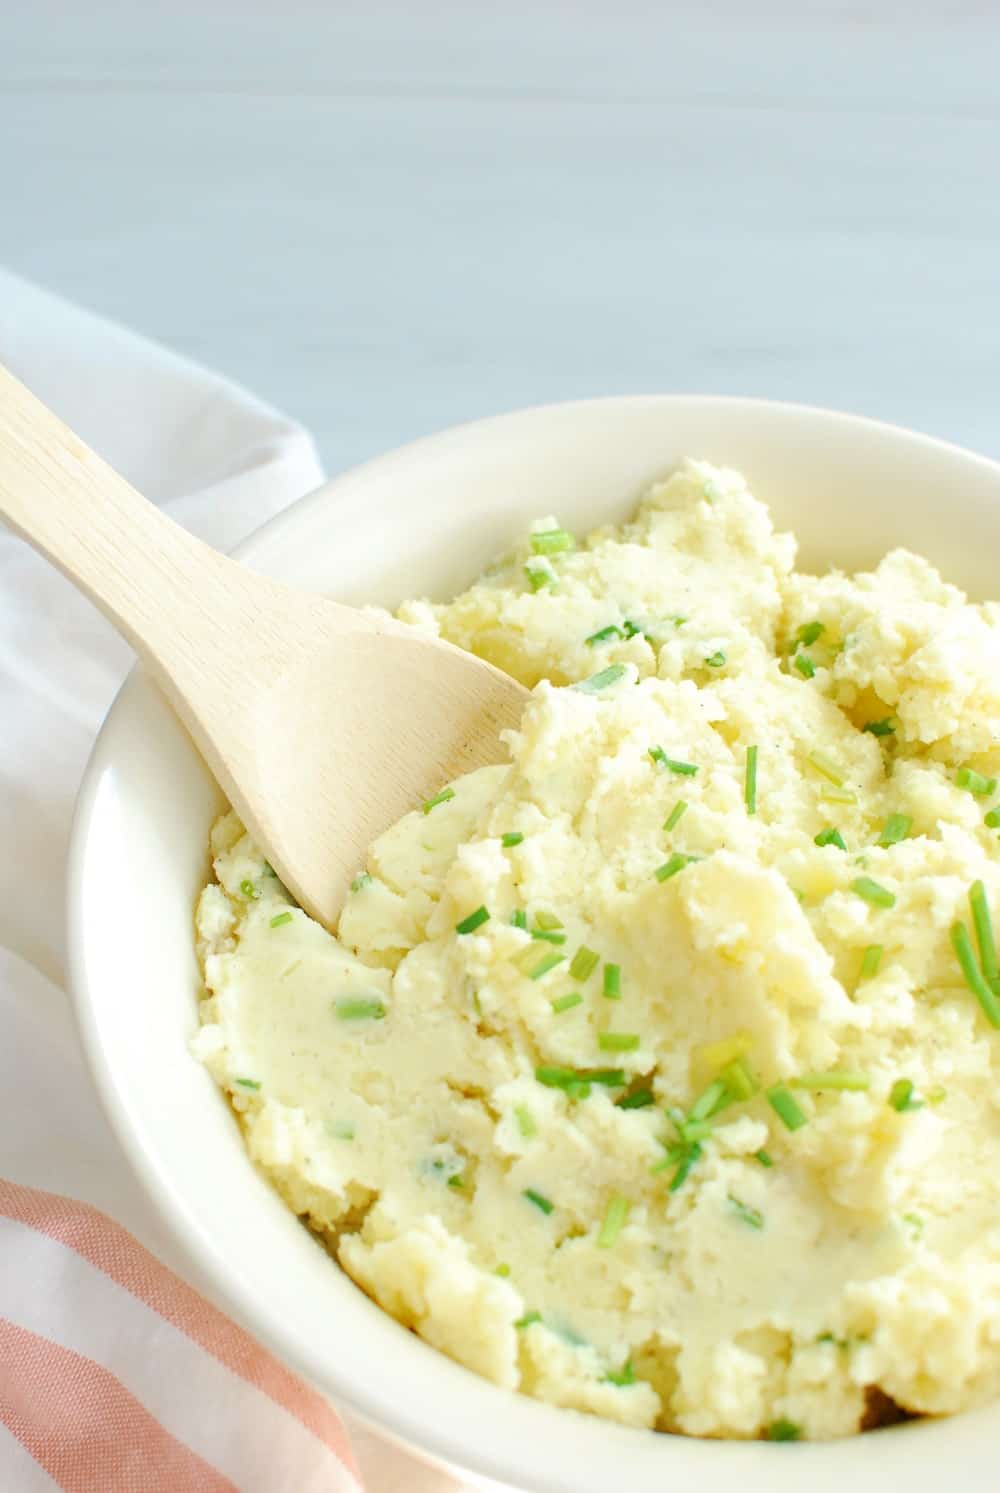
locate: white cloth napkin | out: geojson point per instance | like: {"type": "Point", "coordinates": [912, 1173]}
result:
{"type": "Point", "coordinates": [220, 462]}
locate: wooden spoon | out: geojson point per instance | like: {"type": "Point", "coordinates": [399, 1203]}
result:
{"type": "Point", "coordinates": [322, 724]}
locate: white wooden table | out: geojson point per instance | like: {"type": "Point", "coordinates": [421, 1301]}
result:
{"type": "Point", "coordinates": [387, 215]}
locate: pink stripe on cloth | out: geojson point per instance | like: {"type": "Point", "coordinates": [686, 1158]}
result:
{"type": "Point", "coordinates": [113, 1250]}
{"type": "Point", "coordinates": [52, 1400]}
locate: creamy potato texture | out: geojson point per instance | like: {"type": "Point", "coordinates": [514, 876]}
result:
{"type": "Point", "coordinates": [632, 1083]}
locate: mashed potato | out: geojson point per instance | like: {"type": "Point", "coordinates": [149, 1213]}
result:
{"type": "Point", "coordinates": [643, 1075]}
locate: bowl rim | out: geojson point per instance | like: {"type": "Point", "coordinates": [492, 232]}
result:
{"type": "Point", "coordinates": [439, 1442]}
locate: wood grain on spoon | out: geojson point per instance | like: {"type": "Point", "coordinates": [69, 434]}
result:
{"type": "Point", "coordinates": [322, 724]}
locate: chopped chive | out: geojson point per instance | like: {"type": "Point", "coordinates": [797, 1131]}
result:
{"type": "Point", "coordinates": [984, 931]}
{"type": "Point", "coordinates": [739, 1080]}
{"type": "Point", "coordinates": [439, 798]}
{"type": "Point", "coordinates": [610, 675]}
{"type": "Point", "coordinates": [871, 892]}
{"type": "Point", "coordinates": [992, 819]}
{"type": "Point", "coordinates": [670, 867]}
{"type": "Point", "coordinates": [546, 935]}
{"type": "Point", "coordinates": [473, 921]}
{"type": "Point", "coordinates": [962, 945]}
{"type": "Point", "coordinates": [539, 574]}
{"type": "Point", "coordinates": [547, 920]}
{"type": "Point", "coordinates": [901, 1096]}
{"type": "Point", "coordinates": [556, 1078]}
{"type": "Point", "coordinates": [456, 1183]}
{"type": "Point", "coordinates": [826, 768]}
{"type": "Point", "coordinates": [623, 1377]}
{"type": "Point", "coordinates": [248, 1083]}
{"type": "Point", "coordinates": [612, 977]}
{"type": "Point", "coordinates": [614, 1222]}
{"type": "Point", "coordinates": [360, 1010]}
{"type": "Point", "coordinates": [546, 963]}
{"type": "Point", "coordinates": [974, 782]}
{"type": "Point", "coordinates": [705, 1104]}
{"type": "Point", "coordinates": [503, 1271]}
{"type": "Point", "coordinates": [835, 1079]}
{"type": "Point", "coordinates": [716, 660]}
{"type": "Point", "coordinates": [280, 919]}
{"type": "Point", "coordinates": [538, 1198]}
{"type": "Point", "coordinates": [528, 1319]}
{"type": "Point", "coordinates": [249, 890]}
{"type": "Point", "coordinates": [687, 1161]}
{"type": "Point", "coordinates": [360, 882]}
{"type": "Point", "coordinates": [830, 837]}
{"type": "Point", "coordinates": [764, 1157]}
{"type": "Point", "coordinates": [578, 1089]}
{"type": "Point", "coordinates": [809, 632]}
{"type": "Point", "coordinates": [640, 1099]}
{"type": "Point", "coordinates": [519, 918]}
{"type": "Point", "coordinates": [525, 1121]}
{"type": "Point", "coordinates": [884, 727]}
{"type": "Point", "coordinates": [343, 1130]}
{"type": "Point", "coordinates": [611, 1078]}
{"type": "Point", "coordinates": [631, 629]}
{"type": "Point", "coordinates": [805, 665]}
{"type": "Point", "coordinates": [750, 781]}
{"type": "Point", "coordinates": [659, 756]}
{"type": "Point", "coordinates": [751, 1216]}
{"type": "Point", "coordinates": [511, 838]}
{"type": "Point", "coordinates": [566, 1002]}
{"type": "Point", "coordinates": [583, 963]}
{"type": "Point", "coordinates": [937, 1095]}
{"type": "Point", "coordinates": [551, 541]}
{"type": "Point", "coordinates": [870, 961]}
{"type": "Point", "coordinates": [786, 1107]}
{"type": "Point", "coordinates": [838, 795]}
{"type": "Point", "coordinates": [897, 827]}
{"type": "Point", "coordinates": [783, 1430]}
{"type": "Point", "coordinates": [603, 634]}
{"type": "Point", "coordinates": [618, 1041]}
{"type": "Point", "coordinates": [674, 817]}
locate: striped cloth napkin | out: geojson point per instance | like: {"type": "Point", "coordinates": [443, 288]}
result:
{"type": "Point", "coordinates": [116, 1374]}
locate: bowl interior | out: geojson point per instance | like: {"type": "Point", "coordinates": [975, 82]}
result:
{"type": "Point", "coordinates": [423, 521]}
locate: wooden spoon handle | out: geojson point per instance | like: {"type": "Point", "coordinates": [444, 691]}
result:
{"type": "Point", "coordinates": [147, 574]}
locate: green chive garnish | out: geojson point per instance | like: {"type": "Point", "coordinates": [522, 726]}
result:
{"type": "Point", "coordinates": [884, 727]}
{"type": "Point", "coordinates": [826, 768]}
{"type": "Point", "coordinates": [739, 1080]}
{"type": "Point", "coordinates": [871, 892]}
{"type": "Point", "coordinates": [659, 756]}
{"type": "Point", "coordinates": [974, 782]}
{"type": "Point", "coordinates": [870, 961]}
{"type": "Point", "coordinates": [360, 1010]}
{"type": "Point", "coordinates": [618, 1041]}
{"type": "Point", "coordinates": [583, 963]}
{"type": "Point", "coordinates": [992, 819]}
{"type": "Point", "coordinates": [765, 1158]}
{"type": "Point", "coordinates": [343, 1130]}
{"type": "Point", "coordinates": [614, 1222]}
{"type": "Point", "coordinates": [566, 1078]}
{"type": "Point", "coordinates": [249, 890]}
{"type": "Point", "coordinates": [835, 1079]}
{"type": "Point", "coordinates": [901, 1096]}
{"type": "Point", "coordinates": [838, 795]}
{"type": "Point", "coordinates": [538, 1198]}
{"type": "Point", "coordinates": [830, 837]}
{"type": "Point", "coordinates": [603, 634]}
{"type": "Point", "coordinates": [611, 1078]}
{"type": "Point", "coordinates": [551, 541]}
{"type": "Point", "coordinates": [528, 1319]}
{"type": "Point", "coordinates": [525, 1121]}
{"type": "Point", "coordinates": [751, 1216]}
{"type": "Point", "coordinates": [809, 632]}
{"type": "Point", "coordinates": [783, 1430]}
{"type": "Point", "coordinates": [539, 574]}
{"type": "Point", "coordinates": [984, 931]}
{"type": "Point", "coordinates": [706, 1102]}
{"type": "Point", "coordinates": [675, 815]}
{"type": "Point", "coordinates": [519, 918]}
{"type": "Point", "coordinates": [612, 981]}
{"type": "Point", "coordinates": [786, 1107]}
{"type": "Point", "coordinates": [439, 798]}
{"type": "Point", "coordinates": [457, 1182]}
{"type": "Point", "coordinates": [503, 1271]}
{"type": "Point", "coordinates": [546, 935]}
{"type": "Point", "coordinates": [962, 945]}
{"type": "Point", "coordinates": [248, 1083]}
{"type": "Point", "coordinates": [640, 1099]}
{"type": "Point", "coordinates": [567, 1002]}
{"type": "Point", "coordinates": [750, 781]}
{"type": "Point", "coordinates": [546, 963]}
{"type": "Point", "coordinates": [897, 827]}
{"type": "Point", "coordinates": [623, 1377]}
{"type": "Point", "coordinates": [473, 921]}
{"type": "Point", "coordinates": [670, 867]}
{"type": "Point", "coordinates": [511, 838]}
{"type": "Point", "coordinates": [690, 1155]}
{"type": "Point", "coordinates": [600, 681]}
{"type": "Point", "coordinates": [280, 919]}
{"type": "Point", "coordinates": [805, 665]}
{"type": "Point", "coordinates": [547, 920]}
{"type": "Point", "coordinates": [716, 660]}
{"type": "Point", "coordinates": [360, 882]}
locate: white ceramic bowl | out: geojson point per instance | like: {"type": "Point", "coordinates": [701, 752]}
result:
{"type": "Point", "coordinates": [423, 521]}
